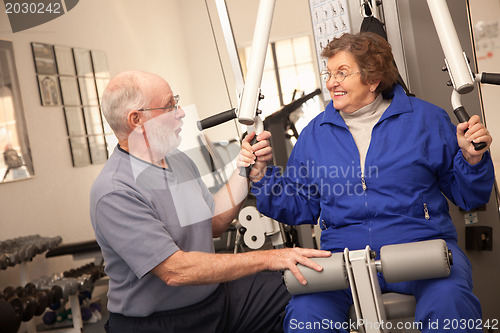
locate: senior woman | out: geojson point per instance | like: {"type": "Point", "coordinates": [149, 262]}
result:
{"type": "Point", "coordinates": [374, 169]}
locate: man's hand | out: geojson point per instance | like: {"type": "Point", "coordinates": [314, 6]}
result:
{"type": "Point", "coordinates": [470, 131]}
{"type": "Point", "coordinates": [288, 258]}
{"type": "Point", "coordinates": [256, 155]}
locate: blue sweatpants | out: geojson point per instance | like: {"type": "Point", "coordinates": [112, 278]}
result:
{"type": "Point", "coordinates": [439, 302]}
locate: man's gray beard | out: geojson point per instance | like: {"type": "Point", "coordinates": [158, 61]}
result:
{"type": "Point", "coordinates": [162, 141]}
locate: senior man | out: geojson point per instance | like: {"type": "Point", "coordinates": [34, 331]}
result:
{"type": "Point", "coordinates": [154, 220]}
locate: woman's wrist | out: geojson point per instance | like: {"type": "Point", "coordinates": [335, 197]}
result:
{"type": "Point", "coordinates": [471, 159]}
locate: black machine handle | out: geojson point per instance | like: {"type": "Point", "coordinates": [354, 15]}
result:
{"type": "Point", "coordinates": [463, 117]}
{"type": "Point", "coordinates": [491, 78]}
{"type": "Point", "coordinates": [216, 119]}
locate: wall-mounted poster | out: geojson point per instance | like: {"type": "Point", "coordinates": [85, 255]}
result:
{"type": "Point", "coordinates": [79, 151]}
{"type": "Point", "coordinates": [93, 120]}
{"type": "Point", "coordinates": [69, 90]}
{"type": "Point", "coordinates": [100, 64]}
{"type": "Point", "coordinates": [75, 123]}
{"type": "Point", "coordinates": [330, 18]}
{"type": "Point", "coordinates": [48, 86]}
{"type": "Point", "coordinates": [88, 91]}
{"type": "Point", "coordinates": [45, 62]}
{"type": "Point", "coordinates": [83, 62]}
{"type": "Point", "coordinates": [64, 60]}
{"type": "Point", "coordinates": [98, 151]}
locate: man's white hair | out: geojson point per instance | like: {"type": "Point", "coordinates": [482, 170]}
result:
{"type": "Point", "coordinates": [125, 92]}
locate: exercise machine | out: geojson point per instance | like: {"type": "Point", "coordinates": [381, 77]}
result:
{"type": "Point", "coordinates": [456, 63]}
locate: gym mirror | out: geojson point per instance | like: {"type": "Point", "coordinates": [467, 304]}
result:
{"type": "Point", "coordinates": [15, 162]}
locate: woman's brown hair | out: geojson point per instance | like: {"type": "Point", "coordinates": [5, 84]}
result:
{"type": "Point", "coordinates": [372, 54]}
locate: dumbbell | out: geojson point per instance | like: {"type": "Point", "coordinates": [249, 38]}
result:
{"type": "Point", "coordinates": [63, 315]}
{"type": "Point", "coordinates": [4, 261]}
{"type": "Point", "coordinates": [49, 317]}
{"type": "Point", "coordinates": [45, 243]}
{"type": "Point", "coordinates": [38, 242]}
{"type": "Point", "coordinates": [52, 242]}
{"type": "Point", "coordinates": [53, 291]}
{"type": "Point", "coordinates": [24, 306]}
{"type": "Point", "coordinates": [86, 313]}
{"type": "Point", "coordinates": [86, 275]}
{"type": "Point", "coordinates": [11, 257]}
{"type": "Point", "coordinates": [9, 321]}
{"type": "Point", "coordinates": [90, 269]}
{"type": "Point", "coordinates": [75, 272]}
{"type": "Point", "coordinates": [15, 252]}
{"type": "Point", "coordinates": [20, 249]}
{"type": "Point", "coordinates": [27, 252]}
{"type": "Point", "coordinates": [56, 291]}
{"type": "Point", "coordinates": [65, 287]}
{"type": "Point", "coordinates": [43, 297]}
{"type": "Point", "coordinates": [70, 286]}
{"type": "Point", "coordinates": [29, 307]}
{"type": "Point", "coordinates": [84, 295]}
{"type": "Point", "coordinates": [96, 306]}
{"type": "Point", "coordinates": [9, 292]}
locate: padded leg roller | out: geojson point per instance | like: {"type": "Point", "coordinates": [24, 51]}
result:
{"type": "Point", "coordinates": [332, 277]}
{"type": "Point", "coordinates": [415, 261]}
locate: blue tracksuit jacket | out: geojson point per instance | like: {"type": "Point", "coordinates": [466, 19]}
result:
{"type": "Point", "coordinates": [413, 159]}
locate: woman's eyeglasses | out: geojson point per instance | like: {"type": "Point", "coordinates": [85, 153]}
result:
{"type": "Point", "coordinates": [338, 76]}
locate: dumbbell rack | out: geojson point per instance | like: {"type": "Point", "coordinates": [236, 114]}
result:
{"type": "Point", "coordinates": [26, 248]}
{"type": "Point", "coordinates": [79, 251]}
{"type": "Point", "coordinates": [76, 284]}
{"type": "Point", "coordinates": [77, 318]}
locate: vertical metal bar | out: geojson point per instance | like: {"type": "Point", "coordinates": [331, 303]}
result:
{"type": "Point", "coordinates": [76, 312]}
{"type": "Point", "coordinates": [232, 50]}
{"type": "Point", "coordinates": [277, 73]}
{"type": "Point", "coordinates": [256, 62]}
{"type": "Point", "coordinates": [368, 295]}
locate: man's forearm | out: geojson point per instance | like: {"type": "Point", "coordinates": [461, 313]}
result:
{"type": "Point", "coordinates": [228, 201]}
{"type": "Point", "coordinates": [197, 268]}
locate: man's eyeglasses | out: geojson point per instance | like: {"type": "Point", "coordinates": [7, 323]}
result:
{"type": "Point", "coordinates": [175, 107]}
{"type": "Point", "coordinates": [338, 76]}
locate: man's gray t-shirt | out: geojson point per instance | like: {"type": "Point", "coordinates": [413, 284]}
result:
{"type": "Point", "coordinates": [141, 215]}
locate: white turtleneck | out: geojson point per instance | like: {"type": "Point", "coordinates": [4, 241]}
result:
{"type": "Point", "coordinates": [361, 122]}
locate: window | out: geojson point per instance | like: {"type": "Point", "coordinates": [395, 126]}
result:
{"type": "Point", "coordinates": [288, 72]}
